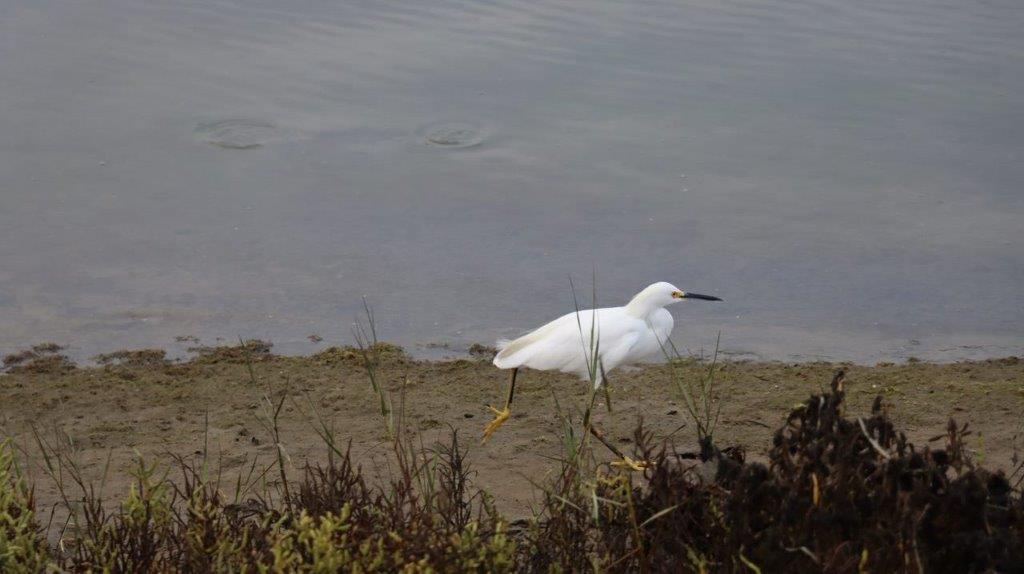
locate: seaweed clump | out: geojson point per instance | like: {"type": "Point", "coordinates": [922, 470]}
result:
{"type": "Point", "coordinates": [134, 358]}
{"type": "Point", "coordinates": [41, 359]}
{"type": "Point", "coordinates": [245, 352]}
{"type": "Point", "coordinates": [378, 351]}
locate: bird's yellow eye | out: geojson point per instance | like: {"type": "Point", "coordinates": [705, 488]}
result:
{"type": "Point", "coordinates": [677, 294]}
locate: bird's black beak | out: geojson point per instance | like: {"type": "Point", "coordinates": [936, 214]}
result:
{"type": "Point", "coordinates": [688, 295]}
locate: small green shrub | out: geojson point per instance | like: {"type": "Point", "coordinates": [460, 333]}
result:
{"type": "Point", "coordinates": [22, 549]}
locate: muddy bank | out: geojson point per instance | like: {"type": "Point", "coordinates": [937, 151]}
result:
{"type": "Point", "coordinates": [139, 403]}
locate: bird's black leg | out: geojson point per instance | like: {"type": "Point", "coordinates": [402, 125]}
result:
{"type": "Point", "coordinates": [600, 436]}
{"type": "Point", "coordinates": [624, 461]}
{"type": "Point", "coordinates": [511, 388]}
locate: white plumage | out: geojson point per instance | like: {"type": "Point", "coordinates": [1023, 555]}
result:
{"type": "Point", "coordinates": [625, 335]}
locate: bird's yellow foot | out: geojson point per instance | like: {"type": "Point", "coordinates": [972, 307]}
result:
{"type": "Point", "coordinates": [500, 416]}
{"type": "Point", "coordinates": [634, 465]}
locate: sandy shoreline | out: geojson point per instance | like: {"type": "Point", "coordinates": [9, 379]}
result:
{"type": "Point", "coordinates": [141, 404]}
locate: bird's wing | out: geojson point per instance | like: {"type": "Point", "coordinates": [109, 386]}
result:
{"type": "Point", "coordinates": [618, 349]}
{"type": "Point", "coordinates": [539, 347]}
{"type": "Point", "coordinates": [552, 346]}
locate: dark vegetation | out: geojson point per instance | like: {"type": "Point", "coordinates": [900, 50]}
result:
{"type": "Point", "coordinates": [838, 494]}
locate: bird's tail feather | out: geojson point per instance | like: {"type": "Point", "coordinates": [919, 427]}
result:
{"type": "Point", "coordinates": [501, 358]}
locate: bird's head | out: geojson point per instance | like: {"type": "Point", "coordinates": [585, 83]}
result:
{"type": "Point", "coordinates": [663, 294]}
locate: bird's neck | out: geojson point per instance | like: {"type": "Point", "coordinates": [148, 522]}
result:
{"type": "Point", "coordinates": [642, 306]}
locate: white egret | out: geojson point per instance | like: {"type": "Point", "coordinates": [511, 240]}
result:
{"type": "Point", "coordinates": [623, 335]}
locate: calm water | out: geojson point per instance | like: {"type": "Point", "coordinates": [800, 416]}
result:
{"type": "Point", "coordinates": [846, 174]}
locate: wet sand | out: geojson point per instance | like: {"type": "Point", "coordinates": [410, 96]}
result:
{"type": "Point", "coordinates": [139, 404]}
